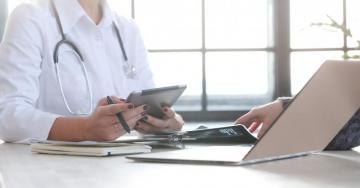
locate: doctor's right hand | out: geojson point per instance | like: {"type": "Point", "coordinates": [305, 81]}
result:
{"type": "Point", "coordinates": [103, 124]}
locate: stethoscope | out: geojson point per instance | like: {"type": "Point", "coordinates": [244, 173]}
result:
{"type": "Point", "coordinates": [129, 69]}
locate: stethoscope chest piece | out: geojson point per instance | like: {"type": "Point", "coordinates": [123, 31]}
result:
{"type": "Point", "coordinates": [130, 71]}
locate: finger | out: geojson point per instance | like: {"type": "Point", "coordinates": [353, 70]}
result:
{"type": "Point", "coordinates": [142, 131]}
{"type": "Point", "coordinates": [254, 126]}
{"type": "Point", "coordinates": [114, 108]}
{"type": "Point", "coordinates": [113, 119]}
{"type": "Point", "coordinates": [134, 120]}
{"type": "Point", "coordinates": [137, 126]}
{"type": "Point", "coordinates": [169, 113]}
{"type": "Point", "coordinates": [155, 122]}
{"type": "Point", "coordinates": [147, 128]}
{"type": "Point", "coordinates": [138, 129]}
{"type": "Point", "coordinates": [266, 125]}
{"type": "Point", "coordinates": [180, 121]}
{"type": "Point", "coordinates": [118, 99]}
{"type": "Point", "coordinates": [134, 112]}
{"type": "Point", "coordinates": [246, 119]}
{"type": "Point", "coordinates": [104, 102]}
{"type": "Point", "coordinates": [141, 126]}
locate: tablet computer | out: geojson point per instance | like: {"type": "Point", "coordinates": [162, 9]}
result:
{"type": "Point", "coordinates": [156, 98]}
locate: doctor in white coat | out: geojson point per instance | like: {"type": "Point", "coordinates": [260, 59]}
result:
{"type": "Point", "coordinates": [59, 59]}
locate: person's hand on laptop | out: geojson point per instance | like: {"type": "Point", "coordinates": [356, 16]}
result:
{"type": "Point", "coordinates": [170, 122]}
{"type": "Point", "coordinates": [261, 116]}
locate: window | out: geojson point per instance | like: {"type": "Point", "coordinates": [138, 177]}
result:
{"type": "Point", "coordinates": [236, 40]}
{"type": "Point", "coordinates": [312, 45]}
{"type": "Point", "coordinates": [214, 44]}
{"type": "Point", "coordinates": [235, 54]}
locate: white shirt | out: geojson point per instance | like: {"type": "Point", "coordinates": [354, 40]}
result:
{"type": "Point", "coordinates": [30, 97]}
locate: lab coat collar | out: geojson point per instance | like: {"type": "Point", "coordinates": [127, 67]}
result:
{"type": "Point", "coordinates": [70, 12]}
{"type": "Point", "coordinates": [108, 14]}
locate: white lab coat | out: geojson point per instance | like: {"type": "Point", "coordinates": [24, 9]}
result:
{"type": "Point", "coordinates": [30, 98]}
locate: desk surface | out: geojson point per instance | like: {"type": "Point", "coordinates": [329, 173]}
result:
{"type": "Point", "coordinates": [20, 168]}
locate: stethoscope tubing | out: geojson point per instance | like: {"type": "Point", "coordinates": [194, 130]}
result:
{"type": "Point", "coordinates": [80, 57]}
{"type": "Point", "coordinates": [88, 86]}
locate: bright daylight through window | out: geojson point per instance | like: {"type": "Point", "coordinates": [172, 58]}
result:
{"type": "Point", "coordinates": [224, 50]}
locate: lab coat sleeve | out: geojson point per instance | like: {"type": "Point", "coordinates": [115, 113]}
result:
{"type": "Point", "coordinates": [20, 69]}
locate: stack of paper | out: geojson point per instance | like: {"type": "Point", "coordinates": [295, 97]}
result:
{"type": "Point", "coordinates": [88, 148]}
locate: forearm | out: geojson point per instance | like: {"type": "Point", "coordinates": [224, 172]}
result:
{"type": "Point", "coordinates": [21, 123]}
{"type": "Point", "coordinates": [68, 129]}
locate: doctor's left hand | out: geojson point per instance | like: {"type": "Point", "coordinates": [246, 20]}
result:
{"type": "Point", "coordinates": [170, 122]}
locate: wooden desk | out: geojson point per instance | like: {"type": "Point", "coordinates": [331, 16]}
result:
{"type": "Point", "coordinates": [22, 169]}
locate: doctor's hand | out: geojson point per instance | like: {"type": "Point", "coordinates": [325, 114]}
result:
{"type": "Point", "coordinates": [262, 116]}
{"type": "Point", "coordinates": [170, 122]}
{"type": "Point", "coordinates": [103, 125]}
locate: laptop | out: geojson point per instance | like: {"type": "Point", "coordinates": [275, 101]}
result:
{"type": "Point", "coordinates": [309, 123]}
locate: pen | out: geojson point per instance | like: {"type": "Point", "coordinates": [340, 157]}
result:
{"type": "Point", "coordinates": [119, 116]}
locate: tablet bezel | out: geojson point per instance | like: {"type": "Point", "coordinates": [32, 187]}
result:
{"type": "Point", "coordinates": [156, 98]}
